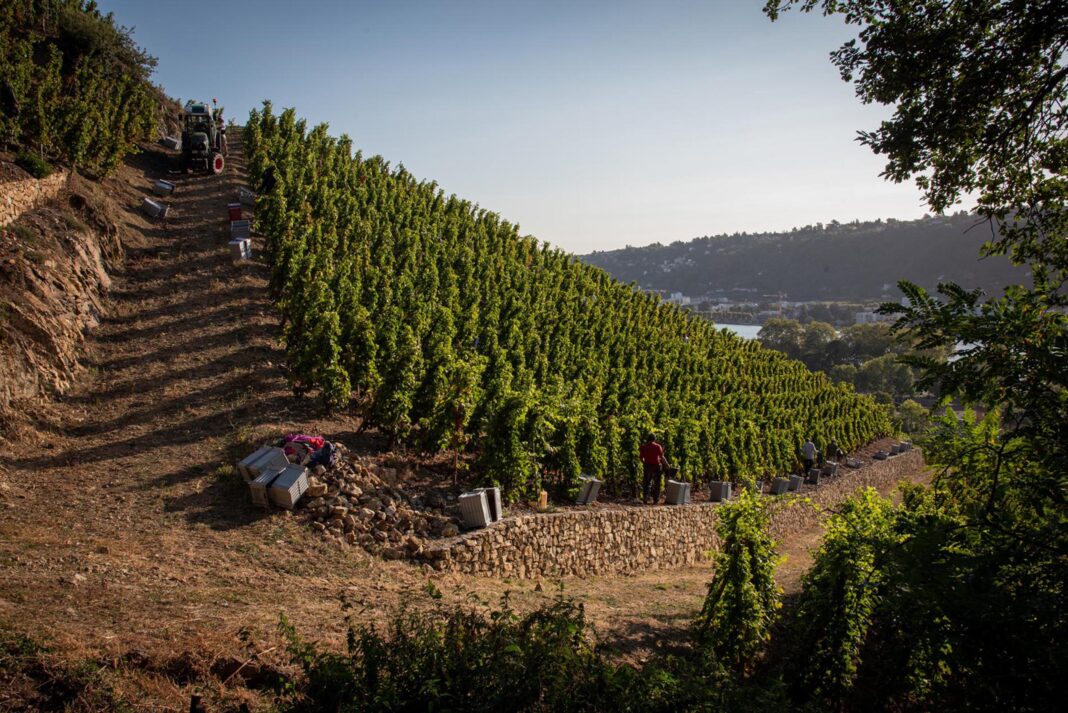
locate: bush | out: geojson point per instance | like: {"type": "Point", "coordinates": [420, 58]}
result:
{"type": "Point", "coordinates": [456, 659]}
{"type": "Point", "coordinates": [840, 596]}
{"type": "Point", "coordinates": [450, 659]}
{"type": "Point", "coordinates": [33, 164]}
{"type": "Point", "coordinates": [735, 622]}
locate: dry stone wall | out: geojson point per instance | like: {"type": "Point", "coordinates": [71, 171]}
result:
{"type": "Point", "coordinates": [20, 192]}
{"type": "Point", "coordinates": [631, 539]}
{"type": "Point", "coordinates": [53, 279]}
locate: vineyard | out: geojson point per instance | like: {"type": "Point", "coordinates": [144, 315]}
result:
{"type": "Point", "coordinates": [73, 85]}
{"type": "Point", "coordinates": [443, 326]}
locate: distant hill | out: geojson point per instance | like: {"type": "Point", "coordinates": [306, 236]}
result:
{"type": "Point", "coordinates": [835, 262]}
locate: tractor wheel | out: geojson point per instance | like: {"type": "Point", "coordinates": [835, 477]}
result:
{"type": "Point", "coordinates": [217, 163]}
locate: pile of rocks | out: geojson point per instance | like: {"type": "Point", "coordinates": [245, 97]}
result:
{"type": "Point", "coordinates": [354, 503]}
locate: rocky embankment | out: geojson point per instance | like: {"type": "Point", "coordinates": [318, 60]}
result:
{"type": "Point", "coordinates": [57, 245]}
{"type": "Point", "coordinates": [354, 503]}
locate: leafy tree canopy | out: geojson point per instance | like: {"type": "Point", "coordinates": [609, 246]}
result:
{"type": "Point", "coordinates": [979, 91]}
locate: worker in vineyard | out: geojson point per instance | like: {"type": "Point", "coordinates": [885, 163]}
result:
{"type": "Point", "coordinates": [834, 451]}
{"type": "Point", "coordinates": [809, 453]}
{"type": "Point", "coordinates": [653, 464]}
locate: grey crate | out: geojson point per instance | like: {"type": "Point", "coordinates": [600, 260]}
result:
{"type": "Point", "coordinates": [493, 502]}
{"type": "Point", "coordinates": [814, 476]}
{"type": "Point", "coordinates": [779, 486]}
{"type": "Point", "coordinates": [290, 484]}
{"type": "Point", "coordinates": [274, 458]}
{"type": "Point", "coordinates": [854, 462]}
{"type": "Point", "coordinates": [474, 509]}
{"type": "Point", "coordinates": [830, 469]}
{"type": "Point", "coordinates": [677, 493]}
{"type": "Point", "coordinates": [719, 490]}
{"type": "Point", "coordinates": [795, 482]}
{"type": "Point", "coordinates": [880, 455]}
{"type": "Point", "coordinates": [895, 450]}
{"type": "Point", "coordinates": [589, 490]}
{"type": "Point", "coordinates": [258, 487]}
{"type": "Point", "coordinates": [172, 143]}
{"type": "Point", "coordinates": [162, 188]}
{"type": "Point", "coordinates": [241, 249]}
{"type": "Point", "coordinates": [242, 466]}
{"type": "Point", "coordinates": [240, 229]}
{"type": "Point", "coordinates": [154, 209]}
{"type": "Point", "coordinates": [246, 196]}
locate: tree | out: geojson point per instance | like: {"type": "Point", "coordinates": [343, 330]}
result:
{"type": "Point", "coordinates": [843, 373]}
{"type": "Point", "coordinates": [912, 418]}
{"type": "Point", "coordinates": [815, 342]}
{"type": "Point", "coordinates": [979, 91]}
{"type": "Point", "coordinates": [884, 373]}
{"type": "Point", "coordinates": [867, 341]}
{"type": "Point", "coordinates": [783, 335]}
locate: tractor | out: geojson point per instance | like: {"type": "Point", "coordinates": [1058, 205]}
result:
{"type": "Point", "coordinates": [203, 138]}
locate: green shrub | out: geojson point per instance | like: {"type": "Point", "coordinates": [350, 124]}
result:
{"type": "Point", "coordinates": [33, 164]}
{"type": "Point", "coordinates": [840, 596]}
{"type": "Point", "coordinates": [457, 659]}
{"type": "Point", "coordinates": [735, 622]}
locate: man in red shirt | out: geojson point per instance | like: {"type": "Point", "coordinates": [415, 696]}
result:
{"type": "Point", "coordinates": [653, 464]}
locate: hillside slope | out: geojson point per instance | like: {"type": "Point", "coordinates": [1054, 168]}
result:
{"type": "Point", "coordinates": [836, 262]}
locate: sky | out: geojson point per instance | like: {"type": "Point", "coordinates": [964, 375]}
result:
{"type": "Point", "coordinates": [593, 125]}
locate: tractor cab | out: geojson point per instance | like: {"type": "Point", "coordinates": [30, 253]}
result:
{"type": "Point", "coordinates": [201, 138]}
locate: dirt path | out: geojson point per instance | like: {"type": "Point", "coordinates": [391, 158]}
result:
{"type": "Point", "coordinates": [119, 532]}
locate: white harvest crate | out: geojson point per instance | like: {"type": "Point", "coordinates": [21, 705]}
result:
{"type": "Point", "coordinates": [677, 493]}
{"type": "Point", "coordinates": [290, 484]}
{"type": "Point", "coordinates": [258, 487]}
{"type": "Point", "coordinates": [474, 509]}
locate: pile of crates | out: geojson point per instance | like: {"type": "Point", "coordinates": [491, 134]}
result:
{"type": "Point", "coordinates": [240, 233]}
{"type": "Point", "coordinates": [899, 448]}
{"type": "Point", "coordinates": [272, 479]}
{"type": "Point", "coordinates": [779, 486]}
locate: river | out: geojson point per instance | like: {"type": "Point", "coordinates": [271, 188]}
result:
{"type": "Point", "coordinates": [746, 331]}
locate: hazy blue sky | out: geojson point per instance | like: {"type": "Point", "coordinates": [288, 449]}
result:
{"type": "Point", "coordinates": [592, 124]}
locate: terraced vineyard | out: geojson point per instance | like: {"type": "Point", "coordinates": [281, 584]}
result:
{"type": "Point", "coordinates": [442, 325]}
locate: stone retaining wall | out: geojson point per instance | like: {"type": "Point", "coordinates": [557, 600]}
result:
{"type": "Point", "coordinates": [630, 539]}
{"type": "Point", "coordinates": [20, 192]}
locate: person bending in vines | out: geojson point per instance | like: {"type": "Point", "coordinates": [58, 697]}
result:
{"type": "Point", "coordinates": [653, 465]}
{"type": "Point", "coordinates": [809, 453]}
